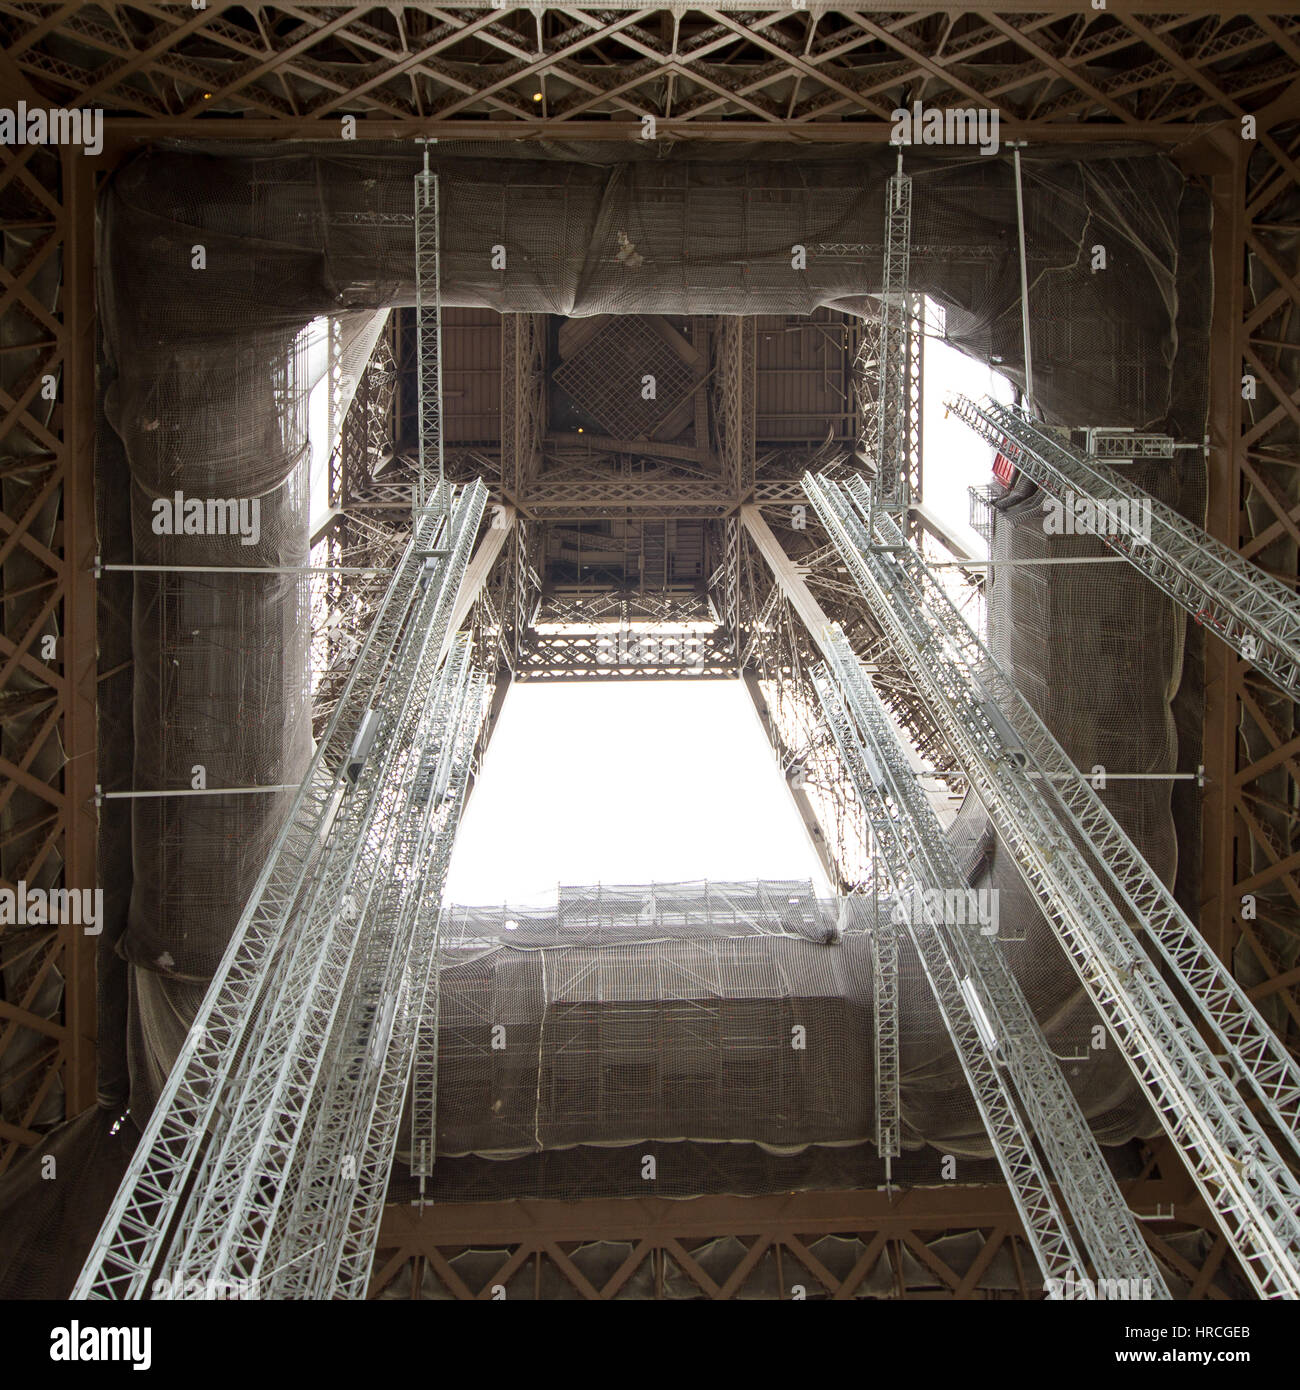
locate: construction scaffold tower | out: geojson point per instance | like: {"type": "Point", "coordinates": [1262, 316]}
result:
{"type": "Point", "coordinates": [1092, 886]}
{"type": "Point", "coordinates": [263, 1168]}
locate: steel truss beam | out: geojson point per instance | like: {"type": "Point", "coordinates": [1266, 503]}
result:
{"type": "Point", "coordinates": [1045, 820]}
{"type": "Point", "coordinates": [1044, 1222]}
{"type": "Point", "coordinates": [326, 1244]}
{"type": "Point", "coordinates": [736, 353]}
{"type": "Point", "coordinates": [224, 1235]}
{"type": "Point", "coordinates": [255, 1069]}
{"type": "Point", "coordinates": [1248, 609]}
{"type": "Point", "coordinates": [1256, 1054]}
{"type": "Point", "coordinates": [893, 358]}
{"type": "Point", "coordinates": [921, 862]}
{"type": "Point", "coordinates": [523, 403]}
{"type": "Point", "coordinates": [428, 331]}
{"type": "Point", "coordinates": [820, 73]}
{"type": "Point", "coordinates": [893, 1228]}
{"type": "Point", "coordinates": [619, 654]}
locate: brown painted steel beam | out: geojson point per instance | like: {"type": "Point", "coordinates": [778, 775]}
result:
{"type": "Point", "coordinates": [79, 647]}
{"type": "Point", "coordinates": [1223, 667]}
{"type": "Point", "coordinates": [124, 133]}
{"type": "Point", "coordinates": [800, 1214]}
{"type": "Point", "coordinates": [784, 1224]}
{"type": "Point", "coordinates": [62, 776]}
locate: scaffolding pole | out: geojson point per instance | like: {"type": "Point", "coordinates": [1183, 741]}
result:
{"type": "Point", "coordinates": [891, 343]}
{"type": "Point", "coordinates": [920, 859]}
{"type": "Point", "coordinates": [1045, 824]}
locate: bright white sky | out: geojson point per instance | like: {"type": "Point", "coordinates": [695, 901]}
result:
{"type": "Point", "coordinates": [636, 782]}
{"type": "Point", "coordinates": [630, 782]}
{"type": "Point", "coordinates": [953, 458]}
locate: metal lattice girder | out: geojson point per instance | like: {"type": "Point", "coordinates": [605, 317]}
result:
{"type": "Point", "coordinates": [1255, 614]}
{"type": "Point", "coordinates": [884, 1000]}
{"type": "Point", "coordinates": [523, 397]}
{"type": "Point", "coordinates": [428, 318]}
{"type": "Point", "coordinates": [326, 1244]}
{"type": "Point", "coordinates": [222, 1235]}
{"type": "Point", "coordinates": [1023, 784]}
{"type": "Point", "coordinates": [522, 1231]}
{"type": "Point", "coordinates": [412, 1064]}
{"type": "Point", "coordinates": [1257, 1053]}
{"type": "Point", "coordinates": [619, 654]}
{"type": "Point", "coordinates": [1113, 445]}
{"type": "Point", "coordinates": [130, 1244]}
{"type": "Point", "coordinates": [922, 859]}
{"type": "Point", "coordinates": [736, 355]}
{"type": "Point", "coordinates": [892, 489]}
{"type": "Point", "coordinates": [654, 496]}
{"type": "Point", "coordinates": [463, 70]}
{"type": "Point", "coordinates": [377, 999]}
{"type": "Point", "coordinates": [1046, 1227]}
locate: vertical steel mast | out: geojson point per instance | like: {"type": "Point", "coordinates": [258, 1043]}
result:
{"type": "Point", "coordinates": [428, 315]}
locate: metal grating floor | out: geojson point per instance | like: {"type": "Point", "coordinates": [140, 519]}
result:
{"type": "Point", "coordinates": [606, 377]}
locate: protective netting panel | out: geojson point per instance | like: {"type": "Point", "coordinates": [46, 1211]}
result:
{"type": "Point", "coordinates": [292, 234]}
{"type": "Point", "coordinates": [688, 1014]}
{"type": "Point", "coordinates": [49, 1219]}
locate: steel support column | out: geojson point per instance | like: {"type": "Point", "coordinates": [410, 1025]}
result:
{"type": "Point", "coordinates": [47, 646]}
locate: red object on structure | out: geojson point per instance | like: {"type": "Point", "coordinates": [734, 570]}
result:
{"type": "Point", "coordinates": [1003, 469]}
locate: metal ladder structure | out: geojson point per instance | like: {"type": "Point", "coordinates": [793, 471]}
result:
{"type": "Point", "coordinates": [428, 320]}
{"type": "Point", "coordinates": [278, 1079]}
{"type": "Point", "coordinates": [1097, 892]}
{"type": "Point", "coordinates": [891, 491]}
{"type": "Point", "coordinates": [891, 344]}
{"type": "Point", "coordinates": [329, 1237]}
{"type": "Point", "coordinates": [957, 959]}
{"type": "Point", "coordinates": [884, 1006]}
{"type": "Point", "coordinates": [1255, 614]}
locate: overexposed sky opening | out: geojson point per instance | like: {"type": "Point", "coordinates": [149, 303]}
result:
{"type": "Point", "coordinates": [626, 782]}
{"type": "Point", "coordinates": [953, 458]}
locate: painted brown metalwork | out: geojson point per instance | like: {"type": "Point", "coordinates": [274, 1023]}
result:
{"type": "Point", "coordinates": [784, 72]}
{"type": "Point", "coordinates": [47, 648]}
{"type": "Point", "coordinates": [890, 1236]}
{"type": "Point", "coordinates": [1251, 892]}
